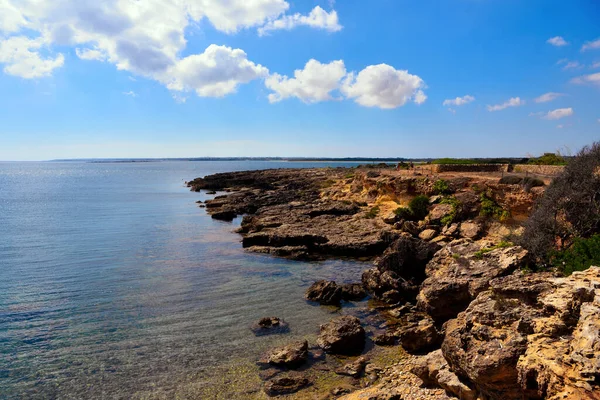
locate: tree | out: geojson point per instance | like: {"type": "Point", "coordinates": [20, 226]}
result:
{"type": "Point", "coordinates": [569, 209]}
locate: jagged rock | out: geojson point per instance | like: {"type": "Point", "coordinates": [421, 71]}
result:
{"type": "Point", "coordinates": [291, 356]}
{"type": "Point", "coordinates": [353, 292]}
{"type": "Point", "coordinates": [439, 211]}
{"type": "Point", "coordinates": [384, 339]}
{"type": "Point", "coordinates": [411, 227]}
{"type": "Point", "coordinates": [342, 335]}
{"type": "Point", "coordinates": [427, 234]}
{"type": "Point", "coordinates": [388, 286]}
{"type": "Point", "coordinates": [456, 275]}
{"type": "Point", "coordinates": [470, 229]}
{"type": "Point", "coordinates": [420, 336]}
{"type": "Point", "coordinates": [391, 218]}
{"type": "Point", "coordinates": [225, 215]}
{"type": "Point", "coordinates": [530, 336]}
{"type": "Point", "coordinates": [270, 325]}
{"type": "Point", "coordinates": [353, 369]}
{"type": "Point", "coordinates": [324, 292]}
{"type": "Point", "coordinates": [433, 370]}
{"type": "Point", "coordinates": [288, 384]}
{"type": "Point", "coordinates": [450, 230]}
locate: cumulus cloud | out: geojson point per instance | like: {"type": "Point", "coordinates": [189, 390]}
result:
{"type": "Point", "coordinates": [586, 79]}
{"type": "Point", "coordinates": [459, 101]}
{"type": "Point", "coordinates": [558, 114]}
{"type": "Point", "coordinates": [592, 45]}
{"type": "Point", "coordinates": [20, 56]}
{"type": "Point", "coordinates": [317, 18]}
{"type": "Point", "coordinates": [513, 102]}
{"type": "Point", "coordinates": [215, 73]}
{"type": "Point", "coordinates": [384, 86]}
{"type": "Point", "coordinates": [557, 41]}
{"type": "Point", "coordinates": [546, 97]}
{"type": "Point", "coordinates": [145, 38]}
{"type": "Point", "coordinates": [313, 84]}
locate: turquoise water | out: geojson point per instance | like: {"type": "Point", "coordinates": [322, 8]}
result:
{"type": "Point", "coordinates": [114, 284]}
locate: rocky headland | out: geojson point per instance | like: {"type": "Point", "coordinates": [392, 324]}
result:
{"type": "Point", "coordinates": [464, 316]}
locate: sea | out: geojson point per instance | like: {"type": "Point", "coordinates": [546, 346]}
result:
{"type": "Point", "coordinates": [114, 284]}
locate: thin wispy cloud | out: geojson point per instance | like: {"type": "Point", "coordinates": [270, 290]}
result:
{"type": "Point", "coordinates": [587, 79]}
{"type": "Point", "coordinates": [558, 114]}
{"type": "Point", "coordinates": [131, 93]}
{"type": "Point", "coordinates": [592, 45]}
{"type": "Point", "coordinates": [546, 97]}
{"type": "Point", "coordinates": [513, 102]}
{"type": "Point", "coordinates": [459, 101]}
{"type": "Point", "coordinates": [557, 41]}
{"type": "Point", "coordinates": [572, 65]}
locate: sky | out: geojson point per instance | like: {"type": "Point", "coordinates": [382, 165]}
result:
{"type": "Point", "coordinates": [314, 78]}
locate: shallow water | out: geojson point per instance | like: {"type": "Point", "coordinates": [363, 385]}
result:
{"type": "Point", "coordinates": [114, 284]}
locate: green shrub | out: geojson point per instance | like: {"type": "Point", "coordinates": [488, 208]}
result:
{"type": "Point", "coordinates": [453, 161]}
{"type": "Point", "coordinates": [479, 254]}
{"type": "Point", "coordinates": [404, 213]}
{"type": "Point", "coordinates": [548, 159]}
{"type": "Point", "coordinates": [582, 254]}
{"type": "Point", "coordinates": [373, 212]}
{"type": "Point", "coordinates": [489, 208]}
{"type": "Point", "coordinates": [419, 206]}
{"type": "Point", "coordinates": [456, 207]}
{"type": "Point", "coordinates": [441, 187]}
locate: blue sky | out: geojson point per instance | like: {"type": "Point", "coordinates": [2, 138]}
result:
{"type": "Point", "coordinates": [384, 78]}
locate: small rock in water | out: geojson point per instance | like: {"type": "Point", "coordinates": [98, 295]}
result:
{"type": "Point", "coordinates": [286, 384]}
{"type": "Point", "coordinates": [290, 356]}
{"type": "Point", "coordinates": [324, 292]}
{"type": "Point", "coordinates": [353, 369]}
{"type": "Point", "coordinates": [269, 326]}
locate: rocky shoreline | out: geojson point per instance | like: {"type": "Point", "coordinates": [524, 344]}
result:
{"type": "Point", "coordinates": [470, 321]}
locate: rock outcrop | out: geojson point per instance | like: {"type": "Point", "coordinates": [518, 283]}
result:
{"type": "Point", "coordinates": [462, 270]}
{"type": "Point", "coordinates": [342, 335]}
{"type": "Point", "coordinates": [535, 336]}
{"type": "Point", "coordinates": [324, 292]}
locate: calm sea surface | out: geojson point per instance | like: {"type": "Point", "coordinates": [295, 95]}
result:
{"type": "Point", "coordinates": [114, 284]}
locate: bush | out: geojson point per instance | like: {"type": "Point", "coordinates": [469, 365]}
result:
{"type": "Point", "coordinates": [373, 212]}
{"type": "Point", "coordinates": [569, 209]}
{"type": "Point", "coordinates": [441, 187]}
{"type": "Point", "coordinates": [456, 208]}
{"type": "Point", "coordinates": [404, 213]}
{"type": "Point", "coordinates": [582, 254]}
{"type": "Point", "coordinates": [510, 180]}
{"type": "Point", "coordinates": [548, 159]}
{"type": "Point", "coordinates": [489, 208]}
{"type": "Point", "coordinates": [419, 206]}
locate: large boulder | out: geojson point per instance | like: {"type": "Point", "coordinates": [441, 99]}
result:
{"type": "Point", "coordinates": [342, 335]}
{"type": "Point", "coordinates": [419, 336]}
{"type": "Point", "coordinates": [288, 384]}
{"type": "Point", "coordinates": [530, 336]}
{"type": "Point", "coordinates": [324, 292]}
{"type": "Point", "coordinates": [291, 356]}
{"type": "Point", "coordinates": [382, 284]}
{"type": "Point", "coordinates": [462, 270]}
{"type": "Point", "coordinates": [433, 369]}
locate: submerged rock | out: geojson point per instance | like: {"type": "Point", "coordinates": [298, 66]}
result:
{"type": "Point", "coordinates": [354, 368]}
{"type": "Point", "coordinates": [291, 356]}
{"type": "Point", "coordinates": [324, 292]}
{"type": "Point", "coordinates": [342, 335]}
{"type": "Point", "coordinates": [269, 326]}
{"type": "Point", "coordinates": [288, 384]}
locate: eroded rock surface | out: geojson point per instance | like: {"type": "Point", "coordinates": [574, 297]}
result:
{"type": "Point", "coordinates": [534, 336]}
{"type": "Point", "coordinates": [342, 335]}
{"type": "Point", "coordinates": [291, 356]}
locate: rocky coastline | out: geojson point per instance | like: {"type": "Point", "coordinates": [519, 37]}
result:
{"type": "Point", "coordinates": [464, 317]}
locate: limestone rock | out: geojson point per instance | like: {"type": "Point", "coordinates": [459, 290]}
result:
{"type": "Point", "coordinates": [324, 292]}
{"type": "Point", "coordinates": [354, 368]}
{"type": "Point", "coordinates": [531, 336]}
{"type": "Point", "coordinates": [433, 370]}
{"type": "Point", "coordinates": [456, 275]}
{"type": "Point", "coordinates": [270, 325]}
{"type": "Point", "coordinates": [427, 234]}
{"type": "Point", "coordinates": [419, 336]}
{"type": "Point", "coordinates": [353, 292]}
{"type": "Point", "coordinates": [342, 335]}
{"type": "Point", "coordinates": [286, 384]}
{"type": "Point", "coordinates": [470, 229]}
{"type": "Point", "coordinates": [439, 211]}
{"type": "Point", "coordinates": [290, 356]}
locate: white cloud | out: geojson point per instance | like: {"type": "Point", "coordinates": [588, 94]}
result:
{"type": "Point", "coordinates": [144, 38]}
{"type": "Point", "coordinates": [459, 101]}
{"type": "Point", "coordinates": [91, 54]}
{"type": "Point", "coordinates": [572, 65]}
{"type": "Point", "coordinates": [318, 18]}
{"type": "Point", "coordinates": [593, 78]}
{"type": "Point", "coordinates": [130, 93]}
{"type": "Point", "coordinates": [593, 45]}
{"type": "Point", "coordinates": [513, 102]}
{"type": "Point", "coordinates": [21, 57]}
{"type": "Point", "coordinates": [313, 84]}
{"type": "Point", "coordinates": [559, 113]}
{"type": "Point", "coordinates": [596, 65]}
{"type": "Point", "coordinates": [548, 97]}
{"type": "Point", "coordinates": [557, 41]}
{"type": "Point", "coordinates": [384, 87]}
{"type": "Point", "coordinates": [215, 73]}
